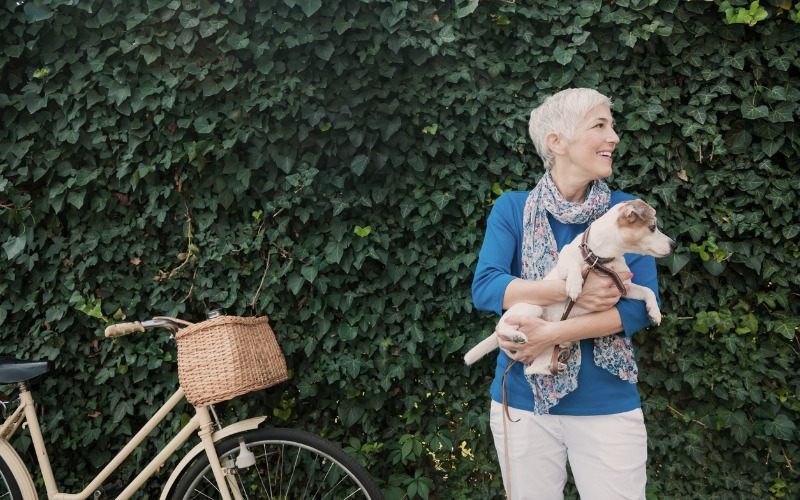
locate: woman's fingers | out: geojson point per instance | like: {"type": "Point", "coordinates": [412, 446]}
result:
{"type": "Point", "coordinates": [600, 291]}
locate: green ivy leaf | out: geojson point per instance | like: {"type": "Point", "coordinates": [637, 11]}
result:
{"type": "Point", "coordinates": [780, 428]}
{"type": "Point", "coordinates": [362, 231]}
{"type": "Point", "coordinates": [203, 126]}
{"type": "Point", "coordinates": [35, 12]}
{"type": "Point", "coordinates": [150, 53]}
{"type": "Point", "coordinates": [14, 246]}
{"type": "Point", "coordinates": [309, 272]}
{"type": "Point", "coordinates": [310, 7]}
{"type": "Point", "coordinates": [359, 164]}
{"type": "Point", "coordinates": [739, 137]}
{"type": "Point", "coordinates": [105, 16]}
{"type": "Point", "coordinates": [782, 112]}
{"type": "Point", "coordinates": [788, 328]}
{"type": "Point", "coordinates": [467, 9]}
{"type": "Point", "coordinates": [676, 261]}
{"type": "Point", "coordinates": [440, 199]}
{"type": "Point", "coordinates": [334, 253]}
{"type": "Point", "coordinates": [324, 50]}
{"type": "Point", "coordinates": [347, 332]}
{"type": "Point", "coordinates": [119, 92]}
{"type": "Point", "coordinates": [295, 282]}
{"type": "Point", "coordinates": [740, 426]}
{"type": "Point", "coordinates": [753, 112]}
{"type": "Point", "coordinates": [187, 21]}
{"type": "Point", "coordinates": [124, 407]}
{"type": "Point", "coordinates": [350, 412]}
{"type": "Point", "coordinates": [564, 55]}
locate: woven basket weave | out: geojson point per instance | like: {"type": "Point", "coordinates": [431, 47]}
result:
{"type": "Point", "coordinates": [228, 356]}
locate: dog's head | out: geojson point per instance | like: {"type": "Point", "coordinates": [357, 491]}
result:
{"type": "Point", "coordinates": [637, 225]}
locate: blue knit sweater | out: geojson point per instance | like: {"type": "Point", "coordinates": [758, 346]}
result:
{"type": "Point", "coordinates": [599, 392]}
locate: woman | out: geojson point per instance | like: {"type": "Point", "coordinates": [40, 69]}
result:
{"type": "Point", "coordinates": [591, 414]}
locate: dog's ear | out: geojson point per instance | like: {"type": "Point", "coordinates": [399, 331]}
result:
{"type": "Point", "coordinates": [637, 210]}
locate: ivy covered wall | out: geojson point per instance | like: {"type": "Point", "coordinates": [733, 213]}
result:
{"type": "Point", "coordinates": [332, 165]}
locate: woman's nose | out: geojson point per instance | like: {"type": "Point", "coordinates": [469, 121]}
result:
{"type": "Point", "coordinates": [613, 137]}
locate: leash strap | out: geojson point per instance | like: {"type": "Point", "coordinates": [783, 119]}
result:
{"type": "Point", "coordinates": [507, 417]}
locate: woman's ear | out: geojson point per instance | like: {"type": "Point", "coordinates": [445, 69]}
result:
{"type": "Point", "coordinates": [555, 143]}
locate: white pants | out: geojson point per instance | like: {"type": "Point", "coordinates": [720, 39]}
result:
{"type": "Point", "coordinates": [607, 454]}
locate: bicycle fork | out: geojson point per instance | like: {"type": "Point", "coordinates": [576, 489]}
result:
{"type": "Point", "coordinates": [224, 479]}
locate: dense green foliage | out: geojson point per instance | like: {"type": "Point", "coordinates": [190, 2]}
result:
{"type": "Point", "coordinates": [332, 165]}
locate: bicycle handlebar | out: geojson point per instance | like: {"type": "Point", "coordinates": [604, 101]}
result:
{"type": "Point", "coordinates": [124, 328]}
{"type": "Point", "coordinates": [139, 326]}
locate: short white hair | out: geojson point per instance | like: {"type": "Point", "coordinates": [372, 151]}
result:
{"type": "Point", "coordinates": [560, 113]}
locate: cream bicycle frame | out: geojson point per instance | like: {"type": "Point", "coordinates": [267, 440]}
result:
{"type": "Point", "coordinates": [200, 422]}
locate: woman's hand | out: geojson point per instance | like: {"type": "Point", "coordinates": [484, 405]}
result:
{"type": "Point", "coordinates": [540, 334]}
{"type": "Point", "coordinates": [599, 291]}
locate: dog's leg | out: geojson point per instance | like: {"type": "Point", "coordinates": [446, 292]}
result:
{"type": "Point", "coordinates": [541, 365]}
{"type": "Point", "coordinates": [506, 330]}
{"type": "Point", "coordinates": [510, 331]}
{"type": "Point", "coordinates": [639, 292]}
{"type": "Point", "coordinates": [574, 279]}
{"type": "Point", "coordinates": [486, 346]}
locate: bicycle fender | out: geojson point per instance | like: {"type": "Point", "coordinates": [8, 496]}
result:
{"type": "Point", "coordinates": [18, 469]}
{"type": "Point", "coordinates": [236, 428]}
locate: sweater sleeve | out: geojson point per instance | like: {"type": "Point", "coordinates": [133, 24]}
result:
{"type": "Point", "coordinates": [497, 257]}
{"type": "Point", "coordinates": [633, 312]}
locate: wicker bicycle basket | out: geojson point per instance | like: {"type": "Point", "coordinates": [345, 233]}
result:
{"type": "Point", "coordinates": [228, 356]}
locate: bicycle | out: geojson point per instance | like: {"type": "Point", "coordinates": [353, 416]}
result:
{"type": "Point", "coordinates": [238, 461]}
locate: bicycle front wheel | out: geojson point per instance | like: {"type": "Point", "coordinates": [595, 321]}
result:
{"type": "Point", "coordinates": [9, 488]}
{"type": "Point", "coordinates": [289, 464]}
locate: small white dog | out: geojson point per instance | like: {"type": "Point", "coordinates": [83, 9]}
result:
{"type": "Point", "coordinates": [628, 227]}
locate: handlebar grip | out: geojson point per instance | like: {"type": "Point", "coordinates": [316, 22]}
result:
{"type": "Point", "coordinates": [124, 328]}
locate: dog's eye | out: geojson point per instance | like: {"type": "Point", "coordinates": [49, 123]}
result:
{"type": "Point", "coordinates": [653, 228]}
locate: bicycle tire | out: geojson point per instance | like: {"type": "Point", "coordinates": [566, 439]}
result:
{"type": "Point", "coordinates": [9, 486]}
{"type": "Point", "coordinates": [293, 464]}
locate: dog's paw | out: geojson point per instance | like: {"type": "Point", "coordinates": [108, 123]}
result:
{"type": "Point", "coordinates": [511, 333]}
{"type": "Point", "coordinates": [574, 285]}
{"type": "Point", "coordinates": [655, 315]}
{"type": "Point", "coordinates": [518, 337]}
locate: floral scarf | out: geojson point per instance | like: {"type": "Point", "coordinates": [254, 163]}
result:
{"type": "Point", "coordinates": [539, 255]}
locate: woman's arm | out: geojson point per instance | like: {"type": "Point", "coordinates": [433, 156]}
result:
{"type": "Point", "coordinates": [498, 260]}
{"type": "Point", "coordinates": [599, 292]}
{"type": "Point", "coordinates": [541, 292]}
{"type": "Point", "coordinates": [627, 316]}
{"type": "Point", "coordinates": [542, 334]}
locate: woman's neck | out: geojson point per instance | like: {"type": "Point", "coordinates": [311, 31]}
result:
{"type": "Point", "coordinates": [573, 190]}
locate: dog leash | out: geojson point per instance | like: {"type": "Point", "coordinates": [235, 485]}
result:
{"type": "Point", "coordinates": [507, 417]}
{"type": "Point", "coordinates": [560, 355]}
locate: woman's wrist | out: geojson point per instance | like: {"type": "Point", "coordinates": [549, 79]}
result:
{"type": "Point", "coordinates": [587, 326]}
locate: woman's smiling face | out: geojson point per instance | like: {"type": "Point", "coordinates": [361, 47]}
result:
{"type": "Point", "coordinates": [591, 147]}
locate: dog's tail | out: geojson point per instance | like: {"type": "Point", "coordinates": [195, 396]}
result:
{"type": "Point", "coordinates": [488, 345]}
